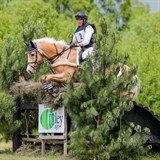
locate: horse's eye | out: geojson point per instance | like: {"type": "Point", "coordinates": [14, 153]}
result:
{"type": "Point", "coordinates": [32, 54]}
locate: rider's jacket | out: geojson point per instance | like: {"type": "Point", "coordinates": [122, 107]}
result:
{"type": "Point", "coordinates": [80, 34]}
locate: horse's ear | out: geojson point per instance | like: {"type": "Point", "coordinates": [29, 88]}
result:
{"type": "Point", "coordinates": [32, 44]}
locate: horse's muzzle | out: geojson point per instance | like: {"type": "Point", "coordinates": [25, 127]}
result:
{"type": "Point", "coordinates": [31, 70]}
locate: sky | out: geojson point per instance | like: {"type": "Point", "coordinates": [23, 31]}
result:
{"type": "Point", "coordinates": [154, 4]}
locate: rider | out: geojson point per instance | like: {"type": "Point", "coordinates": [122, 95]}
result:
{"type": "Point", "coordinates": [83, 35]}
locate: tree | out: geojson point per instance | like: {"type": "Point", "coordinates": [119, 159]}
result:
{"type": "Point", "coordinates": [120, 11]}
{"type": "Point", "coordinates": [40, 18]}
{"type": "Point", "coordinates": [7, 107]}
{"type": "Point", "coordinates": [98, 129]}
{"type": "Point", "coordinates": [141, 40]}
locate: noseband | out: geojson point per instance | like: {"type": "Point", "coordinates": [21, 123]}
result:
{"type": "Point", "coordinates": [36, 60]}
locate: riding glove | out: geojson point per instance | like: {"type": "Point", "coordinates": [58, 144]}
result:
{"type": "Point", "coordinates": [73, 45]}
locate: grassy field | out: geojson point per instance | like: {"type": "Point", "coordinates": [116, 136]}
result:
{"type": "Point", "coordinates": [16, 157]}
{"type": "Point", "coordinates": [150, 157]}
{"type": "Point", "coordinates": [8, 155]}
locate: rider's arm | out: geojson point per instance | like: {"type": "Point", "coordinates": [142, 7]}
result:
{"type": "Point", "coordinates": [74, 40]}
{"type": "Point", "coordinates": [88, 34]}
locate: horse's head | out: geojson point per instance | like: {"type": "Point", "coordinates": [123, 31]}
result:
{"type": "Point", "coordinates": [34, 57]}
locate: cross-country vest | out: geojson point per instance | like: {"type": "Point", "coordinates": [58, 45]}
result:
{"type": "Point", "coordinates": [80, 34]}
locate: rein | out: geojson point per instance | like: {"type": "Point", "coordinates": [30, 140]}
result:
{"type": "Point", "coordinates": [58, 54]}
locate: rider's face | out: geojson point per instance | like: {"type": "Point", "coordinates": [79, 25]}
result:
{"type": "Point", "coordinates": [80, 22]}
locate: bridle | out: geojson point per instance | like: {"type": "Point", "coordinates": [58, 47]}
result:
{"type": "Point", "coordinates": [53, 58]}
{"type": "Point", "coordinates": [36, 59]}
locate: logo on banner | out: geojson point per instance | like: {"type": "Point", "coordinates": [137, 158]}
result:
{"type": "Point", "coordinates": [47, 119]}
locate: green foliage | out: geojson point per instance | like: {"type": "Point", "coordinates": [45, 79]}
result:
{"type": "Point", "coordinates": [96, 113]}
{"type": "Point", "coordinates": [121, 11]}
{"type": "Point", "coordinates": [38, 19]}
{"type": "Point", "coordinates": [7, 107]}
{"type": "Point", "coordinates": [22, 21]}
{"type": "Point", "coordinates": [141, 41]}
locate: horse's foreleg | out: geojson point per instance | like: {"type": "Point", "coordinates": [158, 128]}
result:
{"type": "Point", "coordinates": [62, 77]}
{"type": "Point", "coordinates": [58, 78]}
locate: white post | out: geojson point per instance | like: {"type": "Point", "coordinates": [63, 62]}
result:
{"type": "Point", "coordinates": [65, 133]}
{"type": "Point", "coordinates": [42, 147]}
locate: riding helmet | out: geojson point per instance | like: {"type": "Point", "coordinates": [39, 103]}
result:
{"type": "Point", "coordinates": [81, 14]}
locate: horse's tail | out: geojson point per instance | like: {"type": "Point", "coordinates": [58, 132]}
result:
{"type": "Point", "coordinates": [136, 88]}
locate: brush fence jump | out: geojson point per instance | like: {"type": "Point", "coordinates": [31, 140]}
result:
{"type": "Point", "coordinates": [52, 125]}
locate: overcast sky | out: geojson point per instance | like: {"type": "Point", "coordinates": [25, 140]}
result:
{"type": "Point", "coordinates": [154, 4]}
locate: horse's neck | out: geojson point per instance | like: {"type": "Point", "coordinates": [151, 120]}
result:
{"type": "Point", "coordinates": [50, 49]}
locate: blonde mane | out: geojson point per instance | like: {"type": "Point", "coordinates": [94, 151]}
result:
{"type": "Point", "coordinates": [50, 40]}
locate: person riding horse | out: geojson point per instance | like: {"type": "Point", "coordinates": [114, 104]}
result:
{"type": "Point", "coordinates": [83, 35]}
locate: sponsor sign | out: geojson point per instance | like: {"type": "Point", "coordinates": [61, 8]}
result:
{"type": "Point", "coordinates": [50, 121]}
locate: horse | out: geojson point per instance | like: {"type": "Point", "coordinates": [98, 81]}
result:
{"type": "Point", "coordinates": [63, 62]}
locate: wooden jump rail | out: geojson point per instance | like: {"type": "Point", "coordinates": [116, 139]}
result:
{"type": "Point", "coordinates": [56, 139]}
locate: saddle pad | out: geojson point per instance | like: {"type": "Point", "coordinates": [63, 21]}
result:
{"type": "Point", "coordinates": [77, 57]}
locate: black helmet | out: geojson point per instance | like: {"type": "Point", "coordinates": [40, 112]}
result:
{"type": "Point", "coordinates": [81, 14]}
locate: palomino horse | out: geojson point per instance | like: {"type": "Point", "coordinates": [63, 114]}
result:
{"type": "Point", "coordinates": [63, 62]}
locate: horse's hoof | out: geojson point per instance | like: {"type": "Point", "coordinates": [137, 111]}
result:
{"type": "Point", "coordinates": [47, 85]}
{"type": "Point", "coordinates": [55, 90]}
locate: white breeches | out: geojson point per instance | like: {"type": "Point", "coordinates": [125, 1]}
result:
{"type": "Point", "coordinates": [87, 52]}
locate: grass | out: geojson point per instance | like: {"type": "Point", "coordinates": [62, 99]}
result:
{"type": "Point", "coordinates": [5, 146]}
{"type": "Point", "coordinates": [155, 156]}
{"type": "Point", "coordinates": [8, 155]}
{"type": "Point", "coordinates": [16, 156]}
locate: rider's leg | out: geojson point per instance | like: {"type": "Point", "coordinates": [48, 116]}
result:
{"type": "Point", "coordinates": [87, 52]}
{"type": "Point", "coordinates": [80, 56]}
